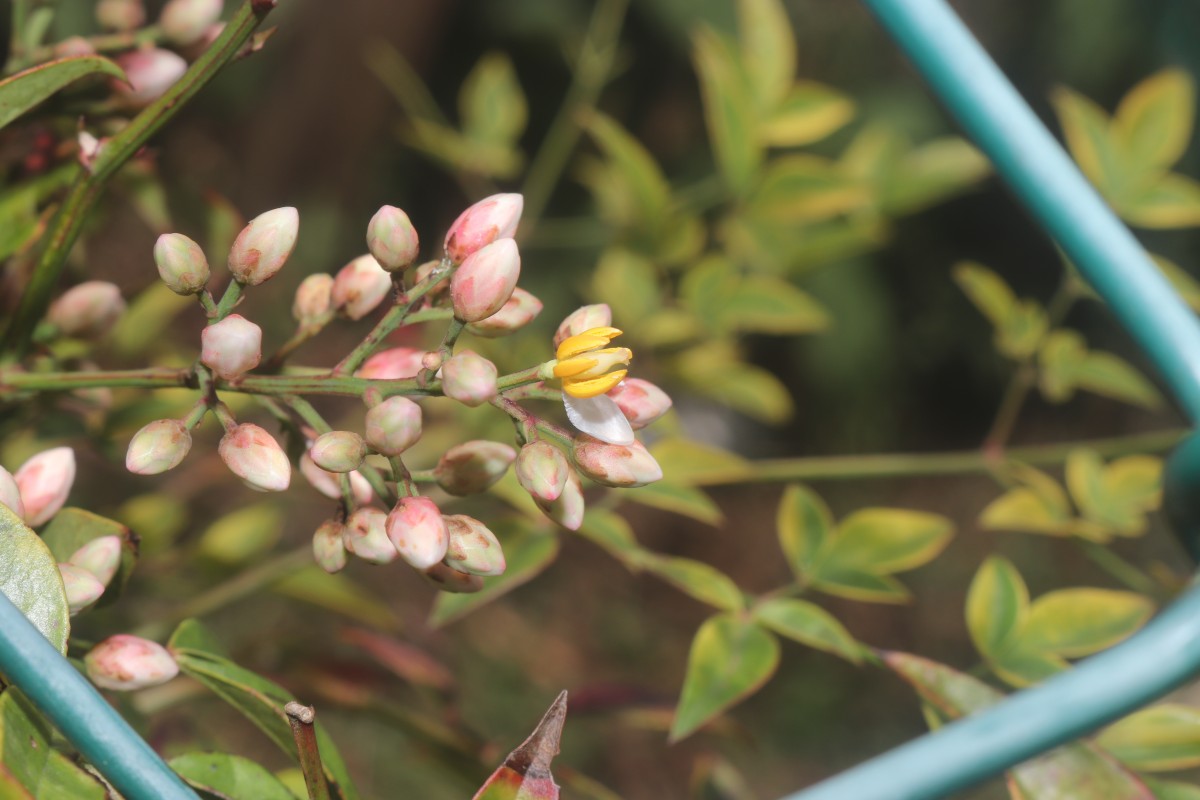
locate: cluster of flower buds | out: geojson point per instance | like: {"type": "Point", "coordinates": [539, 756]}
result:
{"type": "Point", "coordinates": [125, 663]}
{"type": "Point", "coordinates": [40, 486]}
{"type": "Point", "coordinates": [89, 571]}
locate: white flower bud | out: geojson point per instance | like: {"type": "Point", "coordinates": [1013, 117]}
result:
{"type": "Point", "coordinates": [45, 480]}
{"type": "Point", "coordinates": [360, 287]}
{"type": "Point", "coordinates": [82, 587]}
{"type": "Point", "coordinates": [264, 246]}
{"type": "Point", "coordinates": [394, 425]}
{"type": "Point", "coordinates": [101, 557]}
{"type": "Point", "coordinates": [181, 263]}
{"type": "Point", "coordinates": [365, 535]}
{"type": "Point", "coordinates": [88, 310]}
{"type": "Point", "coordinates": [10, 493]}
{"type": "Point", "coordinates": [490, 219]}
{"type": "Point", "coordinates": [314, 298]}
{"type": "Point", "coordinates": [158, 447]}
{"type": "Point", "coordinates": [231, 347]}
{"type": "Point", "coordinates": [254, 456]}
{"type": "Point", "coordinates": [392, 239]}
{"type": "Point", "coordinates": [186, 21]}
{"type": "Point", "coordinates": [338, 451]}
{"type": "Point", "coordinates": [124, 663]}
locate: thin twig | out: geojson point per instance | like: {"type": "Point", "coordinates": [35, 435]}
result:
{"type": "Point", "coordinates": [303, 719]}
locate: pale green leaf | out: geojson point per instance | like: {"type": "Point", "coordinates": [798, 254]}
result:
{"type": "Point", "coordinates": [1090, 140]}
{"type": "Point", "coordinates": [491, 103]}
{"type": "Point", "coordinates": [768, 50]}
{"type": "Point", "coordinates": [881, 541]}
{"type": "Point", "coordinates": [931, 173]}
{"type": "Point", "coordinates": [986, 290]}
{"type": "Point", "coordinates": [810, 112]}
{"type": "Point", "coordinates": [648, 190]}
{"type": "Point", "coordinates": [1172, 790]}
{"type": "Point", "coordinates": [798, 188]}
{"type": "Point", "coordinates": [72, 528]}
{"type": "Point", "coordinates": [1118, 496]}
{"type": "Point", "coordinates": [703, 582]}
{"type": "Point", "coordinates": [1154, 121]}
{"type": "Point", "coordinates": [611, 532]}
{"type": "Point", "coordinates": [1160, 738]}
{"type": "Point", "coordinates": [808, 624]}
{"type": "Point", "coordinates": [763, 304]}
{"type": "Point", "coordinates": [1171, 201]}
{"type": "Point", "coordinates": [728, 110]}
{"type": "Point", "coordinates": [731, 657]}
{"type": "Point", "coordinates": [628, 282]}
{"type": "Point", "coordinates": [1021, 667]}
{"type": "Point", "coordinates": [997, 605]}
{"type": "Point", "coordinates": [858, 585]}
{"type": "Point", "coordinates": [30, 579]}
{"type": "Point", "coordinates": [803, 523]}
{"type": "Point", "coordinates": [951, 692]}
{"type": "Point", "coordinates": [689, 463]}
{"type": "Point", "coordinates": [678, 498]}
{"type": "Point", "coordinates": [26, 89]}
{"type": "Point", "coordinates": [1181, 280]}
{"type": "Point", "coordinates": [29, 767]}
{"type": "Point", "coordinates": [1079, 622]}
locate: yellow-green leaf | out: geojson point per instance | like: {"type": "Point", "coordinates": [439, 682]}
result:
{"type": "Point", "coordinates": [611, 532]}
{"type": "Point", "coordinates": [807, 188]}
{"type": "Point", "coordinates": [628, 282]}
{"type": "Point", "coordinates": [1160, 738]}
{"type": "Point", "coordinates": [1090, 140]}
{"type": "Point", "coordinates": [1154, 121]}
{"type": "Point", "coordinates": [72, 528]}
{"type": "Point", "coordinates": [491, 103]}
{"type": "Point", "coordinates": [649, 192]}
{"type": "Point", "coordinates": [729, 110]}
{"type": "Point", "coordinates": [29, 578]}
{"type": "Point", "coordinates": [29, 766]}
{"type": "Point", "coordinates": [858, 585]}
{"type": "Point", "coordinates": [997, 605]}
{"type": "Point", "coordinates": [930, 173]}
{"type": "Point", "coordinates": [686, 500]}
{"type": "Point", "coordinates": [768, 49]}
{"type": "Point", "coordinates": [229, 776]}
{"type": "Point", "coordinates": [1065, 364]}
{"type": "Point", "coordinates": [808, 624]}
{"type": "Point", "coordinates": [1079, 622]}
{"type": "Point", "coordinates": [1172, 790]}
{"type": "Point", "coordinates": [1038, 505]}
{"type": "Point", "coordinates": [1181, 280]}
{"type": "Point", "coordinates": [1020, 325]}
{"type": "Point", "coordinates": [731, 657]}
{"type": "Point", "coordinates": [763, 304]}
{"type": "Point", "coordinates": [881, 541]}
{"type": "Point", "coordinates": [1171, 201]}
{"type": "Point", "coordinates": [703, 582]}
{"type": "Point", "coordinates": [810, 112]}
{"type": "Point", "coordinates": [1020, 668]}
{"type": "Point", "coordinates": [986, 290]}
{"type": "Point", "coordinates": [692, 463]}
{"type": "Point", "coordinates": [803, 523]}
{"type": "Point", "coordinates": [26, 89]}
{"type": "Point", "coordinates": [1118, 496]}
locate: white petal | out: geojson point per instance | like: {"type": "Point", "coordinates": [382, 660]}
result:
{"type": "Point", "coordinates": [599, 416]}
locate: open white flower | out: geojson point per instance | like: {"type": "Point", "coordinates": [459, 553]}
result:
{"type": "Point", "coordinates": [585, 365]}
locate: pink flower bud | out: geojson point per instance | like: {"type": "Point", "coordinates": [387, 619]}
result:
{"type": "Point", "coordinates": [366, 536]}
{"type": "Point", "coordinates": [124, 663]}
{"type": "Point", "coordinates": [424, 271]}
{"type": "Point", "coordinates": [151, 73]}
{"type": "Point", "coordinates": [338, 451]}
{"type": "Point", "coordinates": [393, 364]}
{"type": "Point", "coordinates": [432, 360]}
{"type": "Point", "coordinates": [640, 401]}
{"type": "Point", "coordinates": [623, 465]}
{"type": "Point", "coordinates": [583, 319]}
{"type": "Point", "coordinates": [88, 310]}
{"type": "Point", "coordinates": [231, 347]}
{"type": "Point", "coordinates": [101, 557]}
{"type": "Point", "coordinates": [483, 283]}
{"type": "Point", "coordinates": [472, 467]}
{"type": "Point", "coordinates": [185, 21]}
{"type": "Point", "coordinates": [449, 579]}
{"type": "Point", "coordinates": [568, 509]}
{"type": "Point", "coordinates": [392, 239]}
{"type": "Point", "coordinates": [473, 548]}
{"type": "Point", "coordinates": [181, 263]}
{"type": "Point", "coordinates": [158, 447]}
{"type": "Point", "coordinates": [10, 493]}
{"type": "Point", "coordinates": [45, 481]}
{"type": "Point", "coordinates": [73, 47]}
{"type": "Point", "coordinates": [490, 219]}
{"type": "Point", "coordinates": [360, 287]}
{"type": "Point", "coordinates": [520, 310]}
{"type": "Point", "coordinates": [120, 15]}
{"type": "Point", "coordinates": [329, 549]}
{"type": "Point", "coordinates": [418, 531]}
{"type": "Point", "coordinates": [264, 245]}
{"type": "Point", "coordinates": [327, 482]}
{"type": "Point", "coordinates": [82, 587]}
{"type": "Point", "coordinates": [394, 425]}
{"type": "Point", "coordinates": [314, 298]}
{"type": "Point", "coordinates": [255, 457]}
{"type": "Point", "coordinates": [542, 470]}
{"type": "Point", "coordinates": [469, 378]}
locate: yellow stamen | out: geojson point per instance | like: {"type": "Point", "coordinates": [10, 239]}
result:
{"type": "Point", "coordinates": [583, 342]}
{"type": "Point", "coordinates": [573, 366]}
{"type": "Point", "coordinates": [594, 387]}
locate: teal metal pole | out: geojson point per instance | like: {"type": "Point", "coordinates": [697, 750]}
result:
{"type": "Point", "coordinates": [1167, 652]}
{"type": "Point", "coordinates": [29, 662]}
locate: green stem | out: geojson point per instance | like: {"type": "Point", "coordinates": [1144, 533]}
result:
{"type": "Point", "coordinates": [229, 300]}
{"type": "Point", "coordinates": [67, 223]}
{"type": "Point", "coordinates": [1121, 569]}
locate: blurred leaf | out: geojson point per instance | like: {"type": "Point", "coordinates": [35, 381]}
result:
{"type": "Point", "coordinates": [1090, 140]}
{"type": "Point", "coordinates": [194, 635]}
{"type": "Point", "coordinates": [23, 91]}
{"type": "Point", "coordinates": [525, 774]}
{"type": "Point", "coordinates": [803, 523]}
{"type": "Point", "coordinates": [1153, 123]}
{"type": "Point", "coordinates": [686, 500]}
{"type": "Point", "coordinates": [140, 329]}
{"type": "Point", "coordinates": [1020, 325]}
{"type": "Point", "coordinates": [491, 103]}
{"type": "Point", "coordinates": [728, 110]}
{"type": "Point", "coordinates": [931, 173]}
{"type": "Point", "coordinates": [1075, 770]}
{"type": "Point", "coordinates": [687, 462]}
{"type": "Point", "coordinates": [262, 702]}
{"type": "Point", "coordinates": [718, 374]}
{"type": "Point", "coordinates": [527, 553]}
{"type": "Point", "coordinates": [457, 152]}
{"type": "Point", "coordinates": [1038, 505]}
{"type": "Point", "coordinates": [762, 304]}
{"type": "Point", "coordinates": [29, 578]}
{"type": "Point", "coordinates": [810, 112]}
{"type": "Point", "coordinates": [1172, 201]}
{"type": "Point", "coordinates": [147, 194]}
{"type": "Point", "coordinates": [808, 624]}
{"type": "Point", "coordinates": [1065, 364]}
{"type": "Point", "coordinates": [697, 579]}
{"type": "Point", "coordinates": [881, 541]}
{"type": "Point", "coordinates": [1118, 496]}
{"type": "Point", "coordinates": [1079, 622]}
{"type": "Point", "coordinates": [402, 659]}
{"type": "Point", "coordinates": [768, 50]}
{"type": "Point", "coordinates": [337, 593]}
{"type": "Point", "coordinates": [859, 585]}
{"type": "Point", "coordinates": [669, 328]}
{"type": "Point", "coordinates": [1020, 667]}
{"type": "Point", "coordinates": [223, 224]}
{"type": "Point", "coordinates": [951, 692]}
{"type": "Point", "coordinates": [242, 535]}
{"type": "Point", "coordinates": [1181, 280]}
{"type": "Point", "coordinates": [29, 766]}
{"type": "Point", "coordinates": [730, 658]}
{"type": "Point", "coordinates": [611, 532]}
{"type": "Point", "coordinates": [628, 283]}
{"type": "Point", "coordinates": [229, 776]}
{"type": "Point", "coordinates": [1160, 738]}
{"type": "Point", "coordinates": [706, 287]}
{"type": "Point", "coordinates": [1172, 790]}
{"type": "Point", "coordinates": [649, 194]}
{"type": "Point", "coordinates": [158, 517]}
{"type": "Point", "coordinates": [72, 528]}
{"type": "Point", "coordinates": [997, 605]}
{"type": "Point", "coordinates": [806, 187]}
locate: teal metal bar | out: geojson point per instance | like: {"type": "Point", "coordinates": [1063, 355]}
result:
{"type": "Point", "coordinates": [1167, 652]}
{"type": "Point", "coordinates": [81, 714]}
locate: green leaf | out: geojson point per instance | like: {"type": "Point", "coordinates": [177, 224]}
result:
{"type": "Point", "coordinates": [1181, 280]}
{"type": "Point", "coordinates": [1075, 771]}
{"type": "Point", "coordinates": [762, 304]}
{"type": "Point", "coordinates": [997, 605]}
{"type": "Point", "coordinates": [731, 658]}
{"type": "Point", "coordinates": [262, 702]}
{"type": "Point", "coordinates": [229, 776]}
{"type": "Point", "coordinates": [1160, 738]}
{"type": "Point", "coordinates": [26, 89]}
{"type": "Point", "coordinates": [1090, 140]}
{"type": "Point", "coordinates": [858, 585]}
{"type": "Point", "coordinates": [808, 624]}
{"type": "Point", "coordinates": [628, 282]}
{"type": "Point", "coordinates": [611, 532]}
{"type": "Point", "coordinates": [194, 635]}
{"type": "Point", "coordinates": [649, 193]}
{"type": "Point", "coordinates": [1079, 622]}
{"type": "Point", "coordinates": [242, 535]}
{"type": "Point", "coordinates": [1171, 201]}
{"type": "Point", "coordinates": [1172, 790]}
{"type": "Point", "coordinates": [768, 50]}
{"type": "Point", "coordinates": [72, 528]}
{"type": "Point", "coordinates": [881, 541]}
{"type": "Point", "coordinates": [1038, 505]}
{"type": "Point", "coordinates": [1065, 364]}
{"type": "Point", "coordinates": [1021, 667]}
{"type": "Point", "coordinates": [686, 500]}
{"type": "Point", "coordinates": [29, 578]}
{"type": "Point", "coordinates": [339, 594]}
{"type": "Point", "coordinates": [1019, 325]}
{"type": "Point", "coordinates": [754, 391]}
{"type": "Point", "coordinates": [931, 173]}
{"type": "Point", "coordinates": [807, 188]}
{"type": "Point", "coordinates": [687, 462]}
{"type": "Point", "coordinates": [707, 286]}
{"type": "Point", "coordinates": [706, 584]}
{"type": "Point", "coordinates": [1118, 496]}
{"type": "Point", "coordinates": [1153, 123]}
{"type": "Point", "coordinates": [728, 110]}
{"type": "Point", "coordinates": [29, 766]}
{"type": "Point", "coordinates": [803, 523]}
{"type": "Point", "coordinates": [951, 692]}
{"type": "Point", "coordinates": [527, 554]}
{"type": "Point", "coordinates": [491, 103]}
{"type": "Point", "coordinates": [810, 112]}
